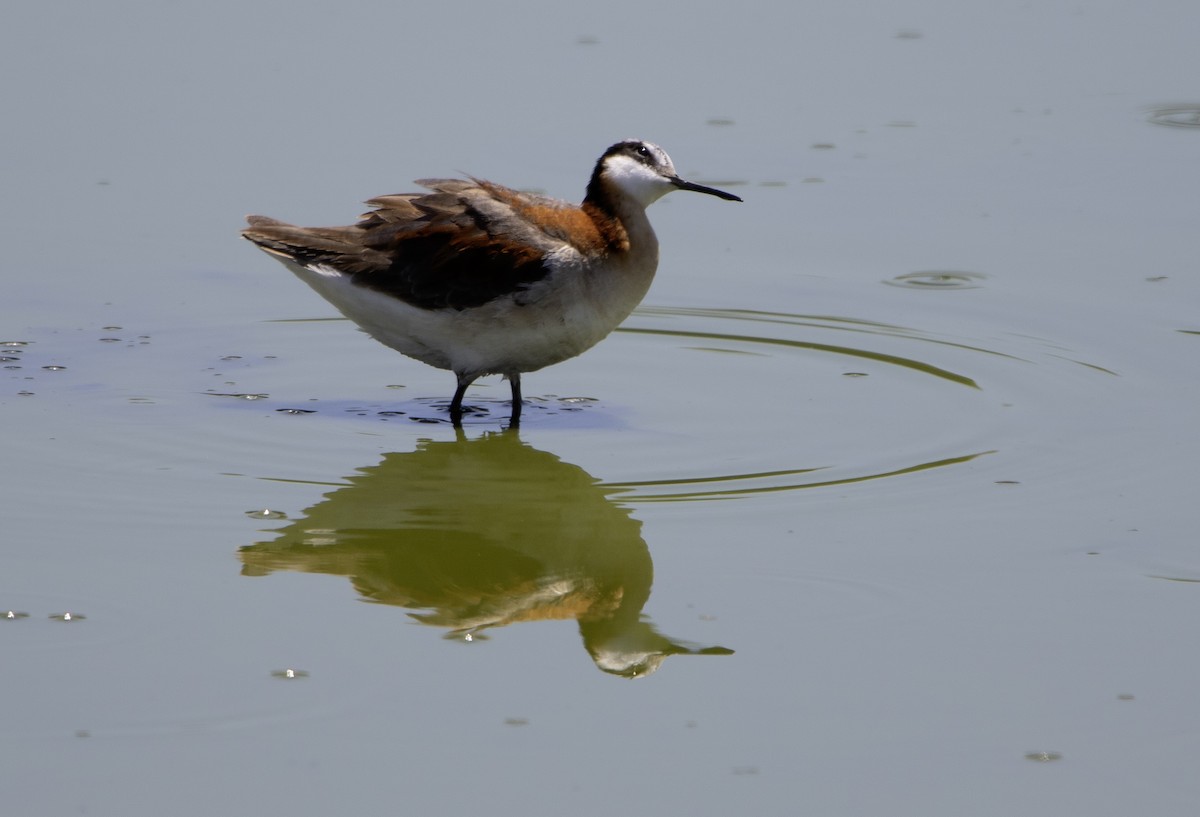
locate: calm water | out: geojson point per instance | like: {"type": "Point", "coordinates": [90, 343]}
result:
{"type": "Point", "coordinates": [882, 504]}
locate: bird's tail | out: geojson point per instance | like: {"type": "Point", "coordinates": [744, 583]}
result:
{"type": "Point", "coordinates": [338, 247]}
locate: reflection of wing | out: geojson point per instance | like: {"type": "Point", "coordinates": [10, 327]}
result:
{"type": "Point", "coordinates": [472, 534]}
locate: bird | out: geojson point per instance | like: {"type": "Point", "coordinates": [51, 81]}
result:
{"type": "Point", "coordinates": [482, 279]}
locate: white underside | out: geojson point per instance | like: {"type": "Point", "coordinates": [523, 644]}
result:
{"type": "Point", "coordinates": [570, 311]}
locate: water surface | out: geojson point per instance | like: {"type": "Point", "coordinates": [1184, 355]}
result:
{"type": "Point", "coordinates": [890, 479]}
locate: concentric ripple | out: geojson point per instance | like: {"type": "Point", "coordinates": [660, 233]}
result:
{"type": "Point", "coordinates": [819, 401]}
{"type": "Point", "coordinates": [678, 405]}
{"type": "Point", "coordinates": [1175, 116]}
{"type": "Point", "coordinates": [938, 279]}
{"type": "Point", "coordinates": [732, 486]}
{"type": "Point", "coordinates": [732, 340]}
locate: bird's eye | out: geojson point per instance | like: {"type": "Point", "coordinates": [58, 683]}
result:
{"type": "Point", "coordinates": [644, 152]}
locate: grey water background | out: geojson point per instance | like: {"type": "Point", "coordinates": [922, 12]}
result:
{"type": "Point", "coordinates": [890, 486]}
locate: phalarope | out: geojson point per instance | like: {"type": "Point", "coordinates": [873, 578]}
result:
{"type": "Point", "coordinates": [482, 279]}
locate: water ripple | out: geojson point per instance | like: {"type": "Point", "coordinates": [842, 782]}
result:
{"type": "Point", "coordinates": [938, 279]}
{"type": "Point", "coordinates": [1175, 116]}
{"type": "Point", "coordinates": [768, 482]}
{"type": "Point", "coordinates": [916, 401]}
{"type": "Point", "coordinates": [824, 323]}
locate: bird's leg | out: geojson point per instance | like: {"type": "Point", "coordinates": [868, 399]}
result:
{"type": "Point", "coordinates": [456, 404]}
{"type": "Point", "coordinates": [514, 380]}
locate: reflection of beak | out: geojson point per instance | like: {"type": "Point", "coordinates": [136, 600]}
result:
{"type": "Point", "coordinates": [699, 188]}
{"type": "Point", "coordinates": [711, 651]}
{"type": "Point", "coordinates": [688, 648]}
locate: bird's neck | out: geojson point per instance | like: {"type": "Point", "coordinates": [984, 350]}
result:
{"type": "Point", "coordinates": [620, 219]}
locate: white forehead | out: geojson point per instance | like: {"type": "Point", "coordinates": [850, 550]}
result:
{"type": "Point", "coordinates": [660, 155]}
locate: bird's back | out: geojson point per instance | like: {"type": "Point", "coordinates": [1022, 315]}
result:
{"type": "Point", "coordinates": [460, 246]}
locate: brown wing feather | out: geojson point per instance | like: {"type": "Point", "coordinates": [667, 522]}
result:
{"type": "Point", "coordinates": [462, 245]}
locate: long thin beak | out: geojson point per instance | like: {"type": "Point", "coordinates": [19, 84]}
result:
{"type": "Point", "coordinates": [699, 188]}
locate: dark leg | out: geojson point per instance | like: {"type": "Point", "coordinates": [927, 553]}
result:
{"type": "Point", "coordinates": [456, 403]}
{"type": "Point", "coordinates": [514, 380]}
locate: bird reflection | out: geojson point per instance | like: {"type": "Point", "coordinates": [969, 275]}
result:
{"type": "Point", "coordinates": [473, 534]}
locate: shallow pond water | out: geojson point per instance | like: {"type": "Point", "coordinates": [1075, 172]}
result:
{"type": "Point", "coordinates": [881, 504]}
